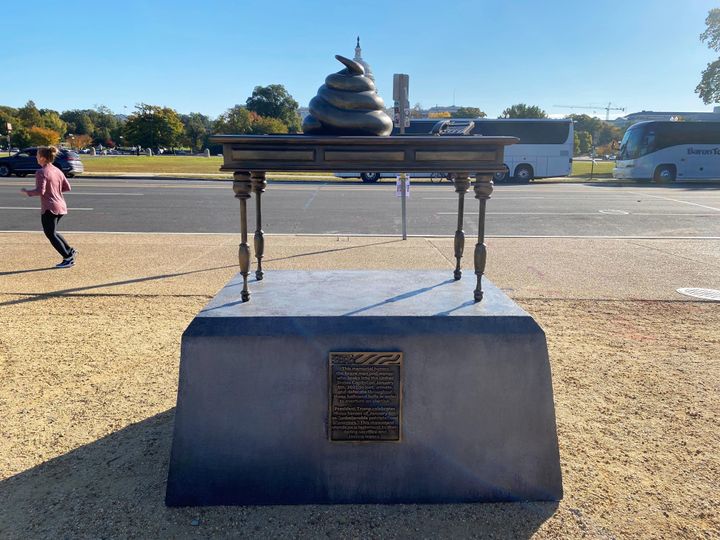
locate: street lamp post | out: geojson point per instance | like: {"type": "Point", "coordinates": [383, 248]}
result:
{"type": "Point", "coordinates": [9, 130]}
{"type": "Point", "coordinates": [72, 141]}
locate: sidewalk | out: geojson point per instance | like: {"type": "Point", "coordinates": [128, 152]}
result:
{"type": "Point", "coordinates": [89, 360]}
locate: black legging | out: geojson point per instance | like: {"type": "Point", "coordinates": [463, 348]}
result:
{"type": "Point", "coordinates": [49, 223]}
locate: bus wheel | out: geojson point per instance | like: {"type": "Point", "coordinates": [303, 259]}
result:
{"type": "Point", "coordinates": [370, 176]}
{"type": "Point", "coordinates": [524, 173]}
{"type": "Point", "coordinates": [665, 173]}
{"type": "Point", "coordinates": [501, 176]}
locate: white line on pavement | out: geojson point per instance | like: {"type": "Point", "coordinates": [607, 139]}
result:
{"type": "Point", "coordinates": [353, 235]}
{"type": "Point", "coordinates": [676, 200]}
{"type": "Point", "coordinates": [503, 198]}
{"type": "Point", "coordinates": [35, 208]}
{"type": "Point", "coordinates": [528, 213]}
{"type": "Point", "coordinates": [70, 194]}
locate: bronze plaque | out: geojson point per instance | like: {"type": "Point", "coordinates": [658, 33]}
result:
{"type": "Point", "coordinates": [365, 396]}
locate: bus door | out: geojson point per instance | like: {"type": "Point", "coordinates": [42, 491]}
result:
{"type": "Point", "coordinates": [541, 166]}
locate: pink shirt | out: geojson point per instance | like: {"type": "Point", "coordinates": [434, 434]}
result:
{"type": "Point", "coordinates": [50, 182]}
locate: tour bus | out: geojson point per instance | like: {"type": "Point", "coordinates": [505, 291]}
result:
{"type": "Point", "coordinates": [545, 148]}
{"type": "Point", "coordinates": [669, 151]}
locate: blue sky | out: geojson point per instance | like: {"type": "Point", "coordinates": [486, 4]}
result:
{"type": "Point", "coordinates": [208, 56]}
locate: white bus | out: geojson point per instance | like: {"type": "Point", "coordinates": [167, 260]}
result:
{"type": "Point", "coordinates": [669, 151]}
{"type": "Point", "coordinates": [545, 148]}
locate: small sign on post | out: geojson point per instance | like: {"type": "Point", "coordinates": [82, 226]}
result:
{"type": "Point", "coordinates": [399, 183]}
{"type": "Point", "coordinates": [401, 85]}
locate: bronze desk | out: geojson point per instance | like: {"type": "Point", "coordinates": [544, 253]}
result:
{"type": "Point", "coordinates": [249, 157]}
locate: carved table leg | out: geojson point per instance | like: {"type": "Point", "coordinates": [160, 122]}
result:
{"type": "Point", "coordinates": [483, 188]}
{"type": "Point", "coordinates": [462, 183]}
{"type": "Point", "coordinates": [242, 186]}
{"type": "Point", "coordinates": [258, 186]}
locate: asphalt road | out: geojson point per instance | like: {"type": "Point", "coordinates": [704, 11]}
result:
{"type": "Point", "coordinates": [548, 210]}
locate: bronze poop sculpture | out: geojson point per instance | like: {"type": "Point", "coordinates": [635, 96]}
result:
{"type": "Point", "coordinates": [347, 104]}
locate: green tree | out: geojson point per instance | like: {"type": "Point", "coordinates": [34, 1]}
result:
{"type": "Point", "coordinates": [274, 102]}
{"type": "Point", "coordinates": [521, 110]}
{"type": "Point", "coordinates": [20, 138]}
{"type": "Point", "coordinates": [236, 120]}
{"type": "Point", "coordinates": [468, 112]}
{"type": "Point", "coordinates": [29, 115]}
{"type": "Point", "coordinates": [709, 87]}
{"type": "Point", "coordinates": [154, 126]}
{"type": "Point", "coordinates": [584, 142]}
{"type": "Point", "coordinates": [78, 122]}
{"type": "Point", "coordinates": [51, 120]}
{"type": "Point", "coordinates": [107, 126]}
{"type": "Point", "coordinates": [601, 132]}
{"type": "Point", "coordinates": [584, 122]}
{"type": "Point", "coordinates": [197, 128]}
{"type": "Point", "coordinates": [261, 126]}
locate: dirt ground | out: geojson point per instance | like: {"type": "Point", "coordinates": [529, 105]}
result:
{"type": "Point", "coordinates": [88, 389]}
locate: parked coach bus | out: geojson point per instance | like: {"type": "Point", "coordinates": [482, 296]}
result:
{"type": "Point", "coordinates": [670, 151]}
{"type": "Point", "coordinates": [545, 148]}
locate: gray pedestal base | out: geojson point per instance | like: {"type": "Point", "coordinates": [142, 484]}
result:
{"type": "Point", "coordinates": [478, 422]}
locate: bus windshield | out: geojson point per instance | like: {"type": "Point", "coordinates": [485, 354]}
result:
{"type": "Point", "coordinates": [636, 143]}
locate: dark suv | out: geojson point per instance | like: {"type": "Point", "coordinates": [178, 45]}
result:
{"type": "Point", "coordinates": [25, 162]}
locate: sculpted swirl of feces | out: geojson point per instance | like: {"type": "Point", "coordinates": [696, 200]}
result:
{"type": "Point", "coordinates": [347, 104]}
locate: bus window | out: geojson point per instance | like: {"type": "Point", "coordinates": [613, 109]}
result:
{"type": "Point", "coordinates": [648, 144]}
{"type": "Point", "coordinates": [630, 146]}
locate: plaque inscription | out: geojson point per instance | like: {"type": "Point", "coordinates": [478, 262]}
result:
{"type": "Point", "coordinates": [365, 396]}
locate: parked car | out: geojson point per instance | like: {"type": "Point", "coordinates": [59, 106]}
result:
{"type": "Point", "coordinates": [24, 162]}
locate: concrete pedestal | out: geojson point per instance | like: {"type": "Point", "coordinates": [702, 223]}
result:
{"type": "Point", "coordinates": [251, 424]}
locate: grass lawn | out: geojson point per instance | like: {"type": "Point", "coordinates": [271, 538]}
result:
{"type": "Point", "coordinates": [192, 165]}
{"type": "Point", "coordinates": [602, 169]}
{"type": "Point", "coordinates": [180, 165]}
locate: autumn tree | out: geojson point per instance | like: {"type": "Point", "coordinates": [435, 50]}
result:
{"type": "Point", "coordinates": [40, 136]}
{"type": "Point", "coordinates": [468, 112]}
{"type": "Point", "coordinates": [78, 142]}
{"type": "Point", "coordinates": [521, 110]}
{"type": "Point", "coordinates": [416, 111]}
{"type": "Point", "coordinates": [709, 87]}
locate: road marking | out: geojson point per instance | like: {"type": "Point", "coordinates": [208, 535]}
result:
{"type": "Point", "coordinates": [526, 213]}
{"type": "Point", "coordinates": [103, 194]}
{"type": "Point", "coordinates": [310, 200]}
{"type": "Point", "coordinates": [35, 208]}
{"type": "Point", "coordinates": [396, 235]}
{"type": "Point", "coordinates": [676, 200]}
{"type": "Point", "coordinates": [494, 198]}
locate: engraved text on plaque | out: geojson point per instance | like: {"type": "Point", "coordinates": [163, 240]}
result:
{"type": "Point", "coordinates": [365, 396]}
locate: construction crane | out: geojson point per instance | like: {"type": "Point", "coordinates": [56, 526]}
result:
{"type": "Point", "coordinates": [607, 109]}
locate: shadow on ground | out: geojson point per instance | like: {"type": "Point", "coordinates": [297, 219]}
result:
{"type": "Point", "coordinates": [115, 487]}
